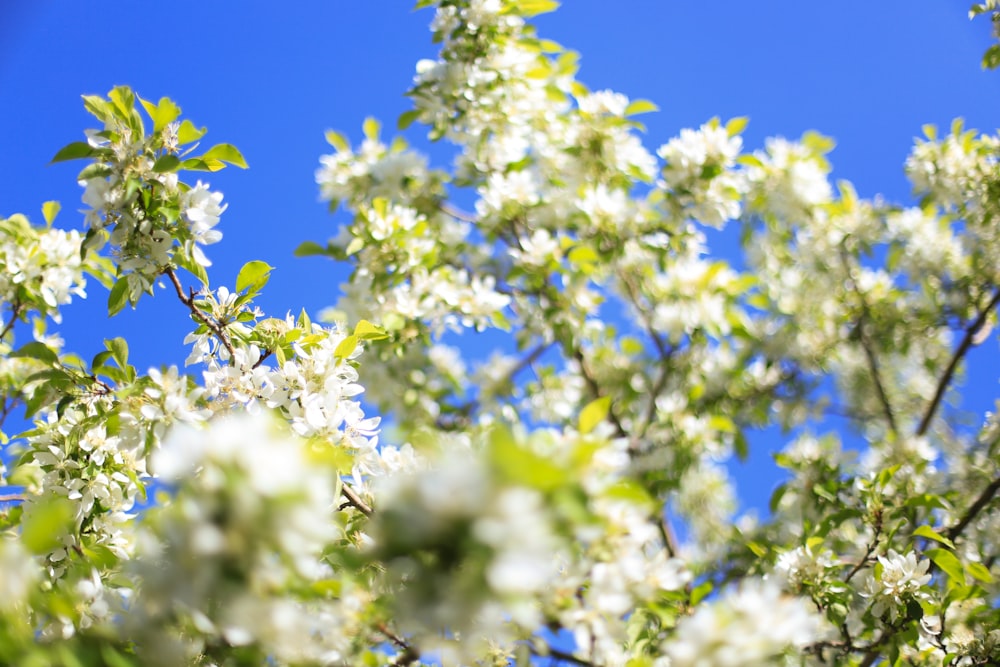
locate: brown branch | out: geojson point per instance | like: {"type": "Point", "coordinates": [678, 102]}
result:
{"type": "Point", "coordinates": [188, 300]}
{"type": "Point", "coordinates": [13, 498]}
{"type": "Point", "coordinates": [354, 500]}
{"type": "Point", "coordinates": [448, 209]}
{"type": "Point", "coordinates": [956, 358]}
{"type": "Point", "coordinates": [869, 551]}
{"type": "Point", "coordinates": [15, 312]}
{"type": "Point", "coordinates": [981, 502]}
{"type": "Point", "coordinates": [408, 655]}
{"type": "Point", "coordinates": [263, 357]}
{"type": "Point", "coordinates": [595, 391]}
{"type": "Point", "coordinates": [552, 652]}
{"type": "Point", "coordinates": [867, 346]}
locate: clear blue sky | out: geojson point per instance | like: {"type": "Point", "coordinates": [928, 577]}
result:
{"type": "Point", "coordinates": [270, 80]}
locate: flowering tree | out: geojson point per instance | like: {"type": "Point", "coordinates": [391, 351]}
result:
{"type": "Point", "coordinates": [525, 507]}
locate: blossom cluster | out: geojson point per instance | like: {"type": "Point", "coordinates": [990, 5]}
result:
{"type": "Point", "coordinates": [559, 489]}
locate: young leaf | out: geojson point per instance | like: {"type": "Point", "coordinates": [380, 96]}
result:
{"type": "Point", "coordinates": [371, 128]}
{"type": "Point", "coordinates": [337, 140]}
{"type": "Point", "coordinates": [594, 413]}
{"type": "Point", "coordinates": [931, 534]}
{"type": "Point", "coordinates": [163, 113]}
{"type": "Point", "coordinates": [640, 106]}
{"type": "Point", "coordinates": [365, 330]}
{"type": "Point", "coordinates": [346, 347]}
{"type": "Point", "coordinates": [187, 132]}
{"type": "Point", "coordinates": [225, 153]}
{"type": "Point", "coordinates": [50, 210]}
{"type": "Point", "coordinates": [736, 125]}
{"type": "Point", "coordinates": [253, 276]}
{"type": "Point", "coordinates": [948, 563]}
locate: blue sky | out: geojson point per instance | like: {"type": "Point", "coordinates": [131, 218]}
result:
{"type": "Point", "coordinates": [271, 80]}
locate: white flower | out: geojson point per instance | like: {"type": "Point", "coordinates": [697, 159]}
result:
{"type": "Point", "coordinates": [745, 627]}
{"type": "Point", "coordinates": [900, 581]}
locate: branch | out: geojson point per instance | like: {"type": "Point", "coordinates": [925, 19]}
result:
{"type": "Point", "coordinates": [564, 656]}
{"type": "Point", "coordinates": [409, 654]}
{"type": "Point", "coordinates": [354, 500]}
{"type": "Point", "coordinates": [198, 315]}
{"type": "Point", "coordinates": [15, 312]}
{"type": "Point", "coordinates": [665, 351]}
{"type": "Point", "coordinates": [866, 345]}
{"type": "Point", "coordinates": [13, 498]}
{"type": "Point", "coordinates": [956, 358]}
{"type": "Point", "coordinates": [981, 502]}
{"type": "Point", "coordinates": [595, 391]}
{"type": "Point", "coordinates": [448, 209]}
{"type": "Point", "coordinates": [870, 550]}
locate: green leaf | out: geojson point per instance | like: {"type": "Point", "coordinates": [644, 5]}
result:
{"type": "Point", "coordinates": [94, 170]}
{"type": "Point", "coordinates": [123, 100]}
{"type": "Point", "coordinates": [309, 248]}
{"type": "Point", "coordinates": [371, 127]}
{"type": "Point", "coordinates": [948, 563]}
{"type": "Point", "coordinates": [184, 261]}
{"type": "Point", "coordinates": [407, 118]}
{"type": "Point", "coordinates": [520, 465]}
{"type": "Point", "coordinates": [931, 534]}
{"type": "Point", "coordinates": [699, 592]}
{"type": "Point", "coordinates": [225, 153]}
{"type": "Point", "coordinates": [74, 151]}
{"type": "Point", "coordinates": [187, 132]}
{"type": "Point", "coordinates": [112, 658]}
{"type": "Point", "coordinates": [166, 163]}
{"type": "Point", "coordinates": [118, 297]}
{"type": "Point", "coordinates": [163, 113]}
{"type": "Point", "coordinates": [528, 8]}
{"type": "Point", "coordinates": [118, 347]}
{"type": "Point", "coordinates": [50, 210]}
{"type": "Point", "coordinates": [356, 244]}
{"type": "Point", "coordinates": [38, 351]}
{"type": "Point", "coordinates": [722, 423]}
{"type": "Point", "coordinates": [736, 125]}
{"type": "Point", "coordinates": [640, 106]}
{"type": "Point", "coordinates": [45, 522]}
{"type": "Point", "coordinates": [980, 572]}
{"type": "Point", "coordinates": [253, 276]}
{"type": "Point", "coordinates": [594, 413]}
{"type": "Point", "coordinates": [346, 347]}
{"type": "Point", "coordinates": [97, 106]}
{"type": "Point", "coordinates": [991, 59]}
{"type": "Point", "coordinates": [365, 330]}
{"type": "Point", "coordinates": [337, 140]}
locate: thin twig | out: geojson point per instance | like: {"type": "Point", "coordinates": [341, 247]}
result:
{"type": "Point", "coordinates": [355, 500]}
{"type": "Point", "coordinates": [15, 312]}
{"type": "Point", "coordinates": [448, 209]}
{"type": "Point", "coordinates": [409, 654]}
{"type": "Point", "coordinates": [552, 652]}
{"type": "Point", "coordinates": [188, 300]}
{"type": "Point", "coordinates": [956, 358]}
{"type": "Point", "coordinates": [13, 498]}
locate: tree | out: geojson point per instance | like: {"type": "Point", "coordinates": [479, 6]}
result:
{"type": "Point", "coordinates": [527, 505]}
